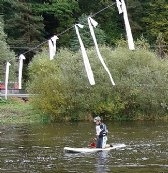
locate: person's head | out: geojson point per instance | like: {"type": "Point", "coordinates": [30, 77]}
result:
{"type": "Point", "coordinates": [97, 120]}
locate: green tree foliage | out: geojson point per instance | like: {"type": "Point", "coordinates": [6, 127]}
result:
{"type": "Point", "coordinates": [58, 16]}
{"type": "Point", "coordinates": [23, 25]}
{"type": "Point", "coordinates": [86, 36]}
{"type": "Point", "coordinates": [135, 11]}
{"type": "Point", "coordinates": [5, 54]}
{"type": "Point", "coordinates": [155, 16]}
{"type": "Point", "coordinates": [26, 21]}
{"type": "Point", "coordinates": [109, 19]}
{"type": "Point", "coordinates": [62, 88]}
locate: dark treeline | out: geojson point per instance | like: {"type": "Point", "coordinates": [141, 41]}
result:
{"type": "Point", "coordinates": [30, 22]}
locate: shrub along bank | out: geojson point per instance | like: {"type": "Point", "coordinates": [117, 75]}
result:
{"type": "Point", "coordinates": [62, 89]}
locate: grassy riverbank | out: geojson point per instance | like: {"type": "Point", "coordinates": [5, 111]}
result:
{"type": "Point", "coordinates": [18, 111]}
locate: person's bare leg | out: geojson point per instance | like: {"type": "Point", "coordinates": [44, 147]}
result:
{"type": "Point", "coordinates": [109, 145]}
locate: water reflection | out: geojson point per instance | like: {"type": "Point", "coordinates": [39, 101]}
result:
{"type": "Point", "coordinates": [101, 165]}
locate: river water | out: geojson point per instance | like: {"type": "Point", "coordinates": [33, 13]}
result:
{"type": "Point", "coordinates": [39, 148]}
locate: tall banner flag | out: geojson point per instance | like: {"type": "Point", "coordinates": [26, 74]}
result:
{"type": "Point", "coordinates": [122, 9]}
{"type": "Point", "coordinates": [52, 46]}
{"type": "Point", "coordinates": [85, 57]}
{"type": "Point", "coordinates": [92, 23]}
{"type": "Point", "coordinates": [119, 6]}
{"type": "Point", "coordinates": [21, 58]}
{"type": "Point", "coordinates": [6, 79]}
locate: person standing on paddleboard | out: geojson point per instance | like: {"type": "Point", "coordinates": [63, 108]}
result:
{"type": "Point", "coordinates": [101, 133]}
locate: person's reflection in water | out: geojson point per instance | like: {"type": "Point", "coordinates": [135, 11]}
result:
{"type": "Point", "coordinates": [102, 166]}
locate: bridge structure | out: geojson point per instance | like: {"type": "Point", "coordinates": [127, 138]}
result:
{"type": "Point", "coordinates": [15, 93]}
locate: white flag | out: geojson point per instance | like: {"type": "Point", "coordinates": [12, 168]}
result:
{"type": "Point", "coordinates": [85, 57]}
{"type": "Point", "coordinates": [122, 8]}
{"type": "Point", "coordinates": [21, 58]}
{"type": "Point", "coordinates": [52, 46]}
{"type": "Point", "coordinates": [6, 79]}
{"type": "Point", "coordinates": [119, 6]}
{"type": "Point", "coordinates": [92, 23]}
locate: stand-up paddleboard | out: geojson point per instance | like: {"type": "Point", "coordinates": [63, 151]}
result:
{"type": "Point", "coordinates": [89, 150]}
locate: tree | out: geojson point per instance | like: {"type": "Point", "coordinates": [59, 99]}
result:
{"type": "Point", "coordinates": [5, 54]}
{"type": "Point", "coordinates": [109, 19]}
{"type": "Point", "coordinates": [58, 16]}
{"type": "Point", "coordinates": [135, 11]}
{"type": "Point", "coordinates": [23, 25]}
{"type": "Point", "coordinates": [86, 36]}
{"type": "Point", "coordinates": [154, 19]}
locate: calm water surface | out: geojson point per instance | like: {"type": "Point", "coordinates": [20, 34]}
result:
{"type": "Point", "coordinates": [39, 148]}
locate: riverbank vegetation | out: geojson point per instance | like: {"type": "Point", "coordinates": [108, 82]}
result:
{"type": "Point", "coordinates": [17, 111]}
{"type": "Point", "coordinates": [62, 90]}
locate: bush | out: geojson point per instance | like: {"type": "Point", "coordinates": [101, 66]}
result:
{"type": "Point", "coordinates": [62, 88]}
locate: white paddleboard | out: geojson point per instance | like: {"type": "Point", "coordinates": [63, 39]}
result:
{"type": "Point", "coordinates": [89, 150]}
